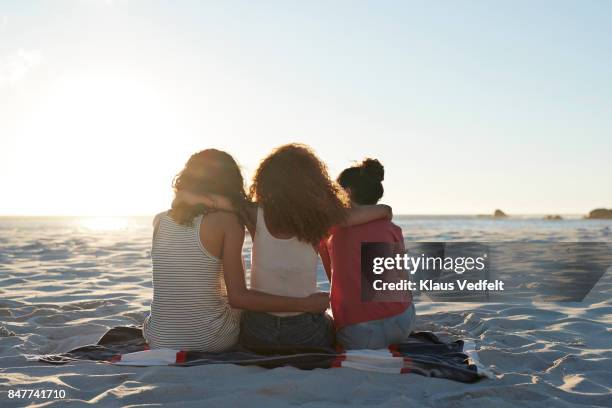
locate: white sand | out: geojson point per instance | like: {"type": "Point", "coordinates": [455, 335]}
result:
{"type": "Point", "coordinates": [64, 286]}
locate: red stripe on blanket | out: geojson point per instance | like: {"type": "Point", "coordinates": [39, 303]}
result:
{"type": "Point", "coordinates": [394, 350]}
{"type": "Point", "coordinates": [115, 359]}
{"type": "Point", "coordinates": [337, 362]}
{"type": "Point", "coordinates": [181, 357]}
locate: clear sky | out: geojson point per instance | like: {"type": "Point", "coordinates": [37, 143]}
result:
{"type": "Point", "coordinates": [470, 105]}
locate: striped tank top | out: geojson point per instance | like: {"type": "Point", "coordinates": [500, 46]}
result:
{"type": "Point", "coordinates": [189, 310]}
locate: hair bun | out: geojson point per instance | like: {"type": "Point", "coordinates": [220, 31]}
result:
{"type": "Point", "coordinates": [373, 169]}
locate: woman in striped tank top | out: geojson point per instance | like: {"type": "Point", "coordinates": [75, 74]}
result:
{"type": "Point", "coordinates": [297, 205]}
{"type": "Point", "coordinates": [198, 271]}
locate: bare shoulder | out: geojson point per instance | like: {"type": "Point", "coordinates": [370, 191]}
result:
{"type": "Point", "coordinates": [158, 218]}
{"type": "Point", "coordinates": [224, 221]}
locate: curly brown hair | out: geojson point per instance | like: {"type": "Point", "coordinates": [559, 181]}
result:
{"type": "Point", "coordinates": [297, 195]}
{"type": "Point", "coordinates": [209, 171]}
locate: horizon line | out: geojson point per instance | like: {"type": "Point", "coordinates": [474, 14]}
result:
{"type": "Point", "coordinates": [489, 214]}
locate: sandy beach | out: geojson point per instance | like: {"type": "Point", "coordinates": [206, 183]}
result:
{"type": "Point", "coordinates": [64, 282]}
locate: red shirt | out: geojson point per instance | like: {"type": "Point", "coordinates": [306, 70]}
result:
{"type": "Point", "coordinates": [341, 256]}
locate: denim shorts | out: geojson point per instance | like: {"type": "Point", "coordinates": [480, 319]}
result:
{"type": "Point", "coordinates": [378, 334]}
{"type": "Point", "coordinates": [259, 329]}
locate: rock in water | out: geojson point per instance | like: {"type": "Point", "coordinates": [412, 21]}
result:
{"type": "Point", "coordinates": [601, 214]}
{"type": "Point", "coordinates": [499, 214]}
{"type": "Point", "coordinates": [553, 217]}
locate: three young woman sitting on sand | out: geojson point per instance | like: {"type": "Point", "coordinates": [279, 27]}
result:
{"type": "Point", "coordinates": [200, 297]}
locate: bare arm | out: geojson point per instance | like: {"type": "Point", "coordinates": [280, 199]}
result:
{"type": "Point", "coordinates": [242, 298]}
{"type": "Point", "coordinates": [367, 213]}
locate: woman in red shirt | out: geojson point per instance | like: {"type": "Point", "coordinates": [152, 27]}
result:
{"type": "Point", "coordinates": [362, 325]}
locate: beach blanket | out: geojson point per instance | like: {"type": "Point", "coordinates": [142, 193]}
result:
{"type": "Point", "coordinates": [422, 354]}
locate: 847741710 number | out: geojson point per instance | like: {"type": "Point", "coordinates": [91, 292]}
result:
{"type": "Point", "coordinates": [36, 394]}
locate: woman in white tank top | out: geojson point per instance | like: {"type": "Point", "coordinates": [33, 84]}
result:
{"type": "Point", "coordinates": [286, 267]}
{"type": "Point", "coordinates": [298, 205]}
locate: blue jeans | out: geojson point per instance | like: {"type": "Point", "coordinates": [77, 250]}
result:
{"type": "Point", "coordinates": [378, 334]}
{"type": "Point", "coordinates": [259, 329]}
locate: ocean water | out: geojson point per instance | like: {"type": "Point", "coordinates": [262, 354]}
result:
{"type": "Point", "coordinates": [99, 242]}
{"type": "Point", "coordinates": [415, 228]}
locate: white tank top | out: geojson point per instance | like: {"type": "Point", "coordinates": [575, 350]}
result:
{"type": "Point", "coordinates": [283, 267]}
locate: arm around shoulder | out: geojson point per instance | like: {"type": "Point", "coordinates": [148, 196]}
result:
{"type": "Point", "coordinates": [368, 213]}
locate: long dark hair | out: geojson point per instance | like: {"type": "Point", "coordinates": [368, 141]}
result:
{"type": "Point", "coordinates": [364, 181]}
{"type": "Point", "coordinates": [210, 171]}
{"type": "Point", "coordinates": [293, 187]}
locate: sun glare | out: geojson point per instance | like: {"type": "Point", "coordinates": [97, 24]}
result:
{"type": "Point", "coordinates": [99, 140]}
